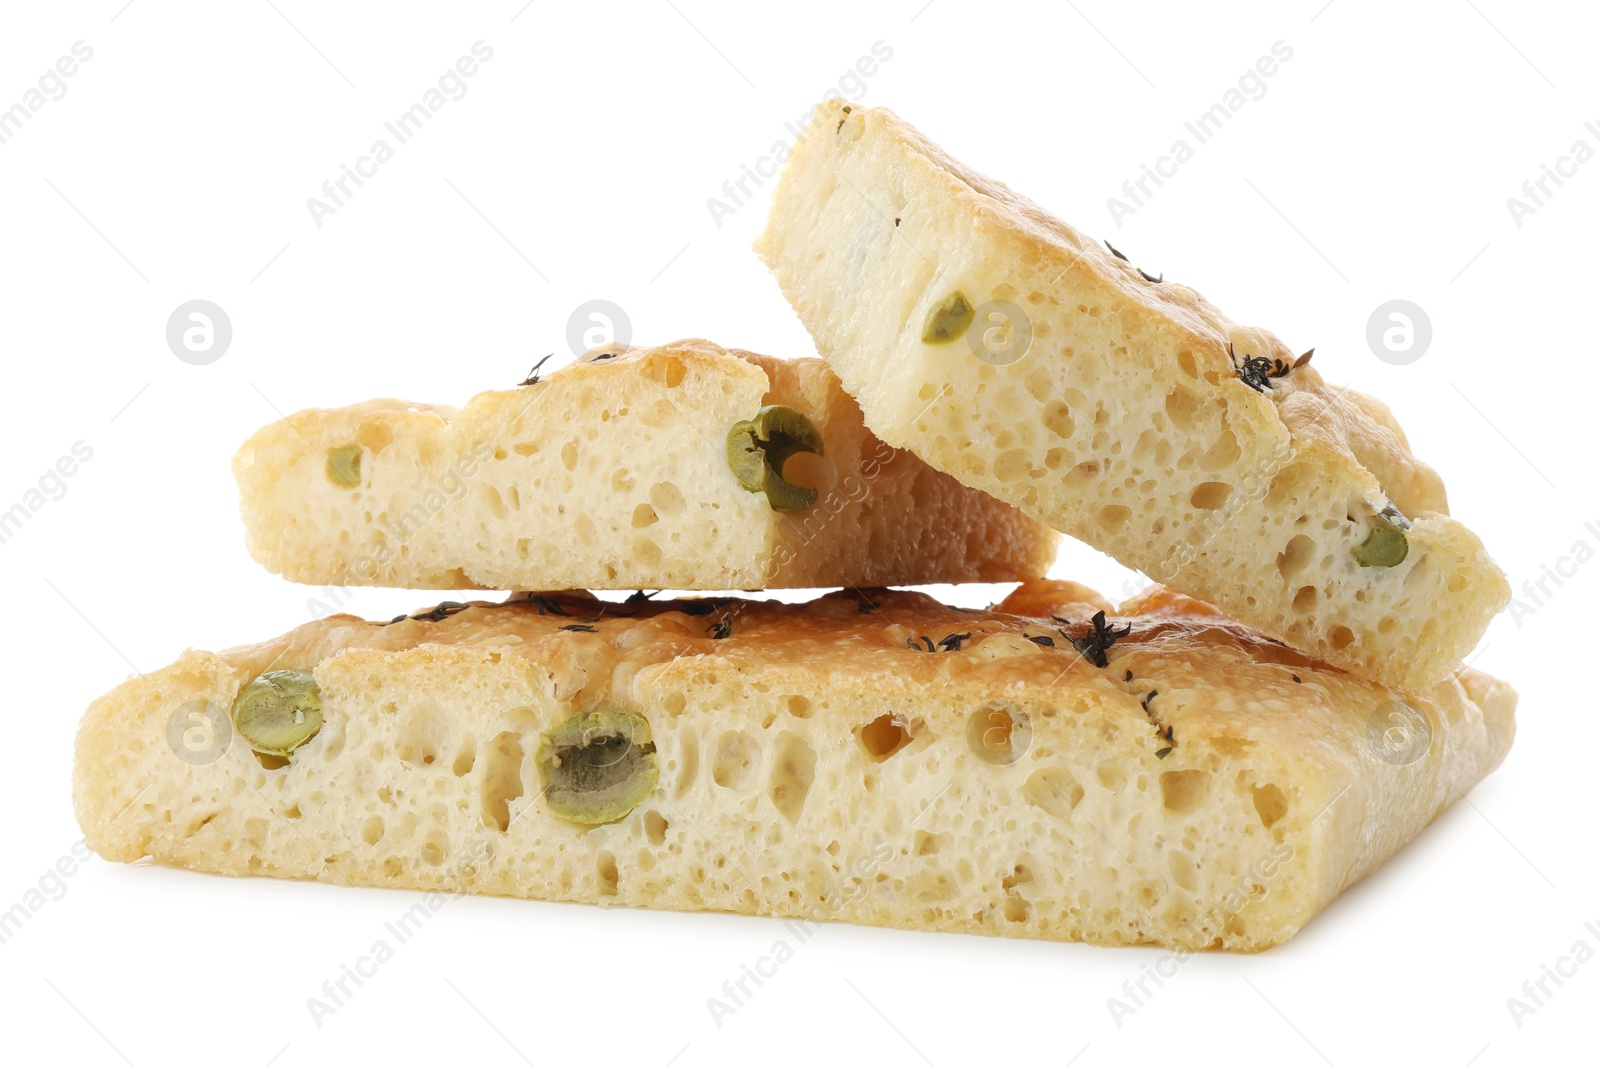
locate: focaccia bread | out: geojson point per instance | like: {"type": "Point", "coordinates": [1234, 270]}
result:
{"type": "Point", "coordinates": [1008, 349]}
{"type": "Point", "coordinates": [615, 473]}
{"type": "Point", "coordinates": [1163, 776]}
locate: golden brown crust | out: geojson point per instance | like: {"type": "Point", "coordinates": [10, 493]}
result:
{"type": "Point", "coordinates": [815, 747]}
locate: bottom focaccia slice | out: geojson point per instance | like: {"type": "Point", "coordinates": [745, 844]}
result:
{"type": "Point", "coordinates": [1032, 770]}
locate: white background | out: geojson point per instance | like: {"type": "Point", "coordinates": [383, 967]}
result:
{"type": "Point", "coordinates": [1377, 165]}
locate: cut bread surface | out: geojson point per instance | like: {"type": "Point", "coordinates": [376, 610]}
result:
{"type": "Point", "coordinates": [1004, 347]}
{"type": "Point", "coordinates": [614, 473]}
{"type": "Point", "coordinates": [871, 757]}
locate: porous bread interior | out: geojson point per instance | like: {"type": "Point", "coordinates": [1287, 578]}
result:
{"type": "Point", "coordinates": [612, 474]}
{"type": "Point", "coordinates": [813, 764]}
{"type": "Point", "coordinates": [1125, 424]}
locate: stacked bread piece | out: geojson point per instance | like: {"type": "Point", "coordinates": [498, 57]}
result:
{"type": "Point", "coordinates": [1054, 766]}
{"type": "Point", "coordinates": [616, 473]}
{"type": "Point", "coordinates": [1007, 349]}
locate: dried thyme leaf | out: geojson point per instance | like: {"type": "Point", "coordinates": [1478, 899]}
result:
{"type": "Point", "coordinates": [1258, 371]}
{"type": "Point", "coordinates": [548, 606]}
{"type": "Point", "coordinates": [1098, 640]}
{"type": "Point", "coordinates": [439, 612]}
{"type": "Point", "coordinates": [1157, 279]}
{"type": "Point", "coordinates": [533, 375]}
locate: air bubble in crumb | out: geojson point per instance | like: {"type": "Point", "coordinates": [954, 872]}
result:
{"type": "Point", "coordinates": [736, 760]}
{"type": "Point", "coordinates": [884, 736]}
{"type": "Point", "coordinates": [794, 768]}
{"type": "Point", "coordinates": [1053, 789]}
{"type": "Point", "coordinates": [502, 779]}
{"type": "Point", "coordinates": [1270, 803]}
{"type": "Point", "coordinates": [1184, 791]}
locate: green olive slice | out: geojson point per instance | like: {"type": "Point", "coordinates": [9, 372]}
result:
{"type": "Point", "coordinates": [786, 496]}
{"type": "Point", "coordinates": [1385, 544]}
{"type": "Point", "coordinates": [278, 711]}
{"type": "Point", "coordinates": [746, 458]}
{"type": "Point", "coordinates": [948, 319]}
{"type": "Point", "coordinates": [758, 448]}
{"type": "Point", "coordinates": [596, 766]}
{"type": "Point", "coordinates": [344, 466]}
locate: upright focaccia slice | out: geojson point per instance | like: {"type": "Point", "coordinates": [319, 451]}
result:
{"type": "Point", "coordinates": [1163, 776]}
{"type": "Point", "coordinates": [615, 473]}
{"type": "Point", "coordinates": [1007, 349]}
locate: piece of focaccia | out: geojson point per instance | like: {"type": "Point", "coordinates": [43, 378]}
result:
{"type": "Point", "coordinates": [618, 472]}
{"type": "Point", "coordinates": [1006, 348]}
{"type": "Point", "coordinates": [1160, 776]}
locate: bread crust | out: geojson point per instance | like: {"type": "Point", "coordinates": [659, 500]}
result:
{"type": "Point", "coordinates": [1126, 422]}
{"type": "Point", "coordinates": [611, 473]}
{"type": "Point", "coordinates": [1206, 788]}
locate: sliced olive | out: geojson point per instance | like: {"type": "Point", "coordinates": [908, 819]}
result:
{"type": "Point", "coordinates": [746, 458]}
{"type": "Point", "coordinates": [786, 496]}
{"type": "Point", "coordinates": [948, 319]}
{"type": "Point", "coordinates": [1385, 544]}
{"type": "Point", "coordinates": [278, 711]}
{"type": "Point", "coordinates": [344, 466]}
{"type": "Point", "coordinates": [596, 766]}
{"type": "Point", "coordinates": [759, 447]}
